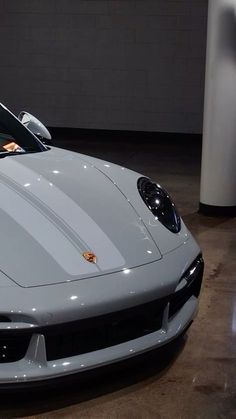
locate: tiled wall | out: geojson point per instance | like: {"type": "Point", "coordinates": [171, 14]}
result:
{"type": "Point", "coordinates": [109, 64]}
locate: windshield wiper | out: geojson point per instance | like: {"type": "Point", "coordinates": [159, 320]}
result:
{"type": "Point", "coordinates": [11, 153]}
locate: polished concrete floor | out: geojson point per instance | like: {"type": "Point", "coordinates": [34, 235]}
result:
{"type": "Point", "coordinates": [195, 377]}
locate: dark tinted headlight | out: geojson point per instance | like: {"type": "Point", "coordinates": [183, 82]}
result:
{"type": "Point", "coordinates": [160, 204]}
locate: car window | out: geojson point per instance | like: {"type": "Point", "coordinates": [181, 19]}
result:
{"type": "Point", "coordinates": [14, 137]}
{"type": "Point", "coordinates": [7, 141]}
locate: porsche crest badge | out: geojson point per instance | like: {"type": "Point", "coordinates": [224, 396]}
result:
{"type": "Point", "coordinates": [90, 257]}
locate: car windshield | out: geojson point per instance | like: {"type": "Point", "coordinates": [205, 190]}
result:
{"type": "Point", "coordinates": [14, 137]}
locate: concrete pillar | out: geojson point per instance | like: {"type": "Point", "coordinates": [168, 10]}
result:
{"type": "Point", "coordinates": [218, 178]}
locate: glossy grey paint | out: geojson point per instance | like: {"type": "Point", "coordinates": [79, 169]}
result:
{"type": "Point", "coordinates": [34, 366]}
{"type": "Point", "coordinates": [54, 304]}
{"type": "Point", "coordinates": [54, 206]}
{"type": "Point", "coordinates": [126, 181]}
{"type": "Point", "coordinates": [94, 296]}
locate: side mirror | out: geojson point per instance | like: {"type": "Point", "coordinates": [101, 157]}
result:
{"type": "Point", "coordinates": [36, 127]}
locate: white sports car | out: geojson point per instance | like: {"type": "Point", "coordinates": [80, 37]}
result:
{"type": "Point", "coordinates": [96, 265]}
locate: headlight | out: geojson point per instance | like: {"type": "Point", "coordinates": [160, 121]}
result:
{"type": "Point", "coordinates": [160, 203]}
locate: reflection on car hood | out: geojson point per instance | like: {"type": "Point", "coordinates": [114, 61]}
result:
{"type": "Point", "coordinates": [54, 207]}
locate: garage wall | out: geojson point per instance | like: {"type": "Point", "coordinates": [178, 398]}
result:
{"type": "Point", "coordinates": [109, 64]}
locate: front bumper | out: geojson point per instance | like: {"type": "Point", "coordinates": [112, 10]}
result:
{"type": "Point", "coordinates": [177, 314]}
{"type": "Point", "coordinates": [34, 366]}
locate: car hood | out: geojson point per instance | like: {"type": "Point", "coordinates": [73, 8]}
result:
{"type": "Point", "coordinates": [53, 208]}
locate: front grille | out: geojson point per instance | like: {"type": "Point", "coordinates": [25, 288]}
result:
{"type": "Point", "coordinates": [99, 332]}
{"type": "Point", "coordinates": [103, 331]}
{"type": "Point", "coordinates": [13, 348]}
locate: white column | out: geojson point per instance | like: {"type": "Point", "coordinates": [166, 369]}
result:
{"type": "Point", "coordinates": [218, 178]}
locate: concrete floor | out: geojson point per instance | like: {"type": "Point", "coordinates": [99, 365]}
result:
{"type": "Point", "coordinates": [195, 377]}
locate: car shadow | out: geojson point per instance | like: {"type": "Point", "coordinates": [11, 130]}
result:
{"type": "Point", "coordinates": [89, 385]}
